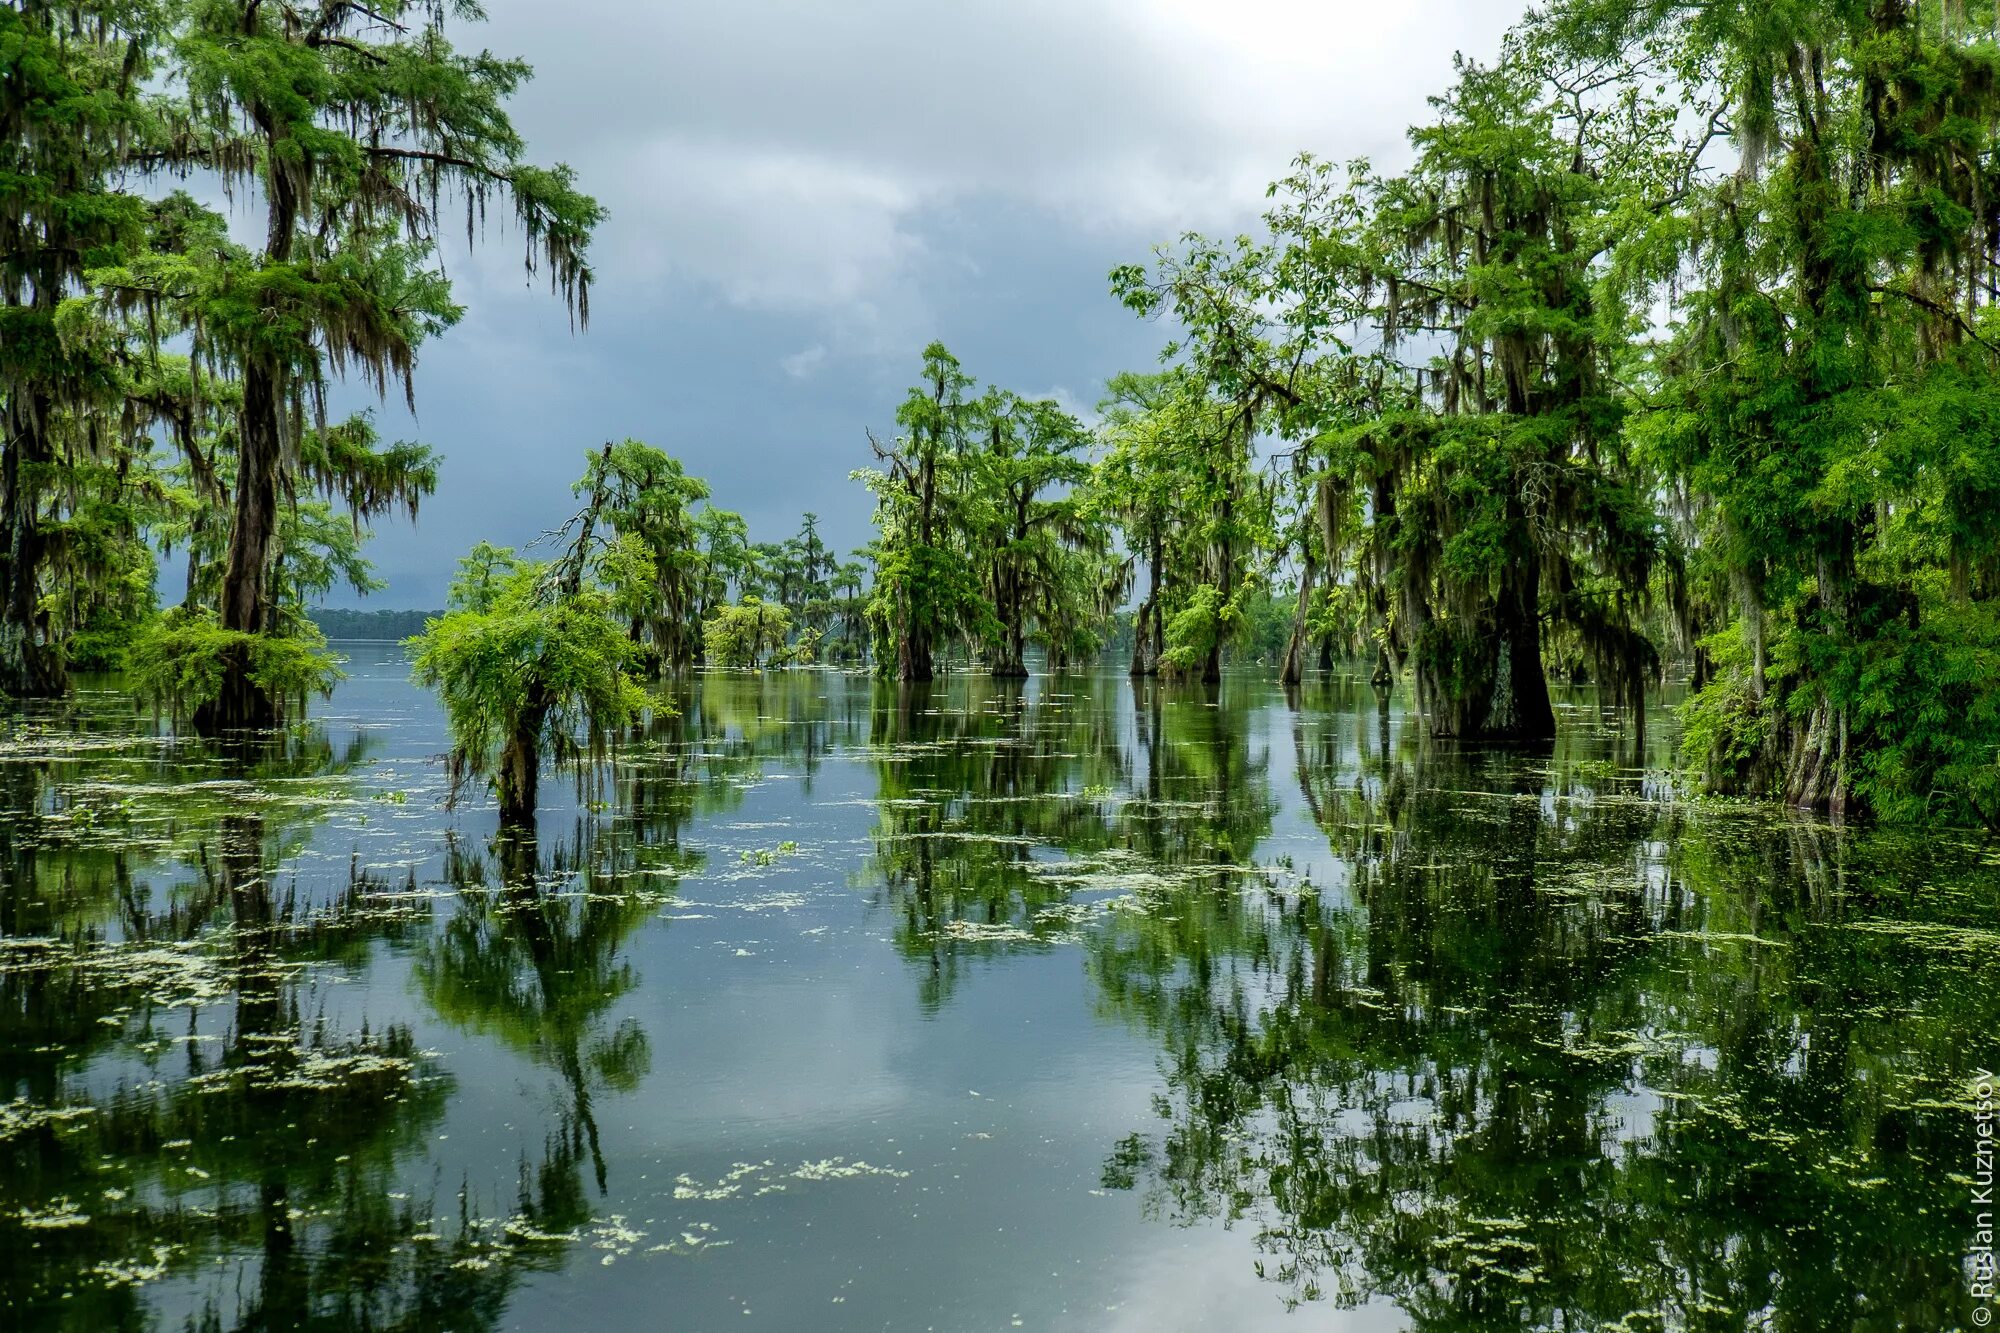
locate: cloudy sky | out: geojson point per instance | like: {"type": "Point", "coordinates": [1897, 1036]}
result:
{"type": "Point", "coordinates": [802, 194]}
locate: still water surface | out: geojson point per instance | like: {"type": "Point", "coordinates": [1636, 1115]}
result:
{"type": "Point", "coordinates": [1055, 1006]}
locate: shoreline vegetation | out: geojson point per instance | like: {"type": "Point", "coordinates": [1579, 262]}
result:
{"type": "Point", "coordinates": [1670, 355]}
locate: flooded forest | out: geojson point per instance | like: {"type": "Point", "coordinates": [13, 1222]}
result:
{"type": "Point", "coordinates": [1462, 796]}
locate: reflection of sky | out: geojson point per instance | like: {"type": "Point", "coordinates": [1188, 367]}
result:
{"type": "Point", "coordinates": [787, 1024]}
{"type": "Point", "coordinates": [793, 1034]}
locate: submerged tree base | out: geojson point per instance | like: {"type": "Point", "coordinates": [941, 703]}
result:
{"type": "Point", "coordinates": [28, 670]}
{"type": "Point", "coordinates": [1492, 689]}
{"type": "Point", "coordinates": [241, 705]}
{"type": "Point", "coordinates": [220, 680]}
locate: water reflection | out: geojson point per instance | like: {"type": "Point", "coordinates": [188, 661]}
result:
{"type": "Point", "coordinates": [534, 955]}
{"type": "Point", "coordinates": [176, 1088]}
{"type": "Point", "coordinates": [1548, 1051]}
{"type": "Point", "coordinates": [187, 1107]}
{"type": "Point", "coordinates": [979, 784]}
{"type": "Point", "coordinates": [1476, 1039]}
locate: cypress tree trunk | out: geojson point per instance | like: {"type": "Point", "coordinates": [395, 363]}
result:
{"type": "Point", "coordinates": [1013, 663]}
{"type": "Point", "coordinates": [913, 656]}
{"type": "Point", "coordinates": [1385, 674]}
{"type": "Point", "coordinates": [1520, 709]}
{"type": "Point", "coordinates": [1816, 770]}
{"type": "Point", "coordinates": [246, 603]}
{"type": "Point", "coordinates": [1146, 627]}
{"type": "Point", "coordinates": [518, 781]}
{"type": "Point", "coordinates": [47, 187]}
{"type": "Point", "coordinates": [1293, 669]}
{"type": "Point", "coordinates": [1143, 663]}
{"type": "Point", "coordinates": [913, 648]}
{"type": "Point", "coordinates": [246, 590]}
{"type": "Point", "coordinates": [1211, 665]}
{"type": "Point", "coordinates": [29, 666]}
{"type": "Point", "coordinates": [1011, 657]}
{"type": "Point", "coordinates": [1490, 687]}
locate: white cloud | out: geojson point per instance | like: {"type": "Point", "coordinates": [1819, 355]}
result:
{"type": "Point", "coordinates": [1083, 408]}
{"type": "Point", "coordinates": [784, 155]}
{"type": "Point", "coordinates": [802, 364]}
{"type": "Point", "coordinates": [768, 229]}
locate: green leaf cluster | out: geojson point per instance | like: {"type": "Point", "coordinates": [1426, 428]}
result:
{"type": "Point", "coordinates": [182, 662]}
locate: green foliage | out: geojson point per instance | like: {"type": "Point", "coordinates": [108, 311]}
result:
{"type": "Point", "coordinates": [483, 574]}
{"type": "Point", "coordinates": [1178, 477]}
{"type": "Point", "coordinates": [527, 668]}
{"type": "Point", "coordinates": [1928, 716]}
{"type": "Point", "coordinates": [1826, 401]}
{"type": "Point", "coordinates": [723, 539]}
{"type": "Point", "coordinates": [659, 572]}
{"type": "Point", "coordinates": [72, 115]}
{"type": "Point", "coordinates": [801, 651]}
{"type": "Point", "coordinates": [360, 131]}
{"type": "Point", "coordinates": [182, 660]}
{"type": "Point", "coordinates": [922, 594]}
{"type": "Point", "coordinates": [1437, 351]}
{"type": "Point", "coordinates": [1264, 623]}
{"type": "Point", "coordinates": [741, 636]}
{"type": "Point", "coordinates": [1199, 628]}
{"type": "Point", "coordinates": [987, 534]}
{"type": "Point", "coordinates": [1924, 719]}
{"type": "Point", "coordinates": [1725, 728]}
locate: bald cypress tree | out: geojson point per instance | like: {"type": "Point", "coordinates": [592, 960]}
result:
{"type": "Point", "coordinates": [70, 108]}
{"type": "Point", "coordinates": [361, 131]}
{"type": "Point", "coordinates": [923, 589]}
{"type": "Point", "coordinates": [1826, 397]}
{"type": "Point", "coordinates": [1436, 353]}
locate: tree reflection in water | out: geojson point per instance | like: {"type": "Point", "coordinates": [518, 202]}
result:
{"type": "Point", "coordinates": [534, 957]}
{"type": "Point", "coordinates": [1551, 1051]}
{"type": "Point", "coordinates": [191, 1125]}
{"type": "Point", "coordinates": [1505, 1040]}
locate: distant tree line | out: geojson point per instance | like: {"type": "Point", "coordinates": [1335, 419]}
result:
{"type": "Point", "coordinates": [387, 626]}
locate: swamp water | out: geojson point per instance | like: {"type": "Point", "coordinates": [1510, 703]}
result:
{"type": "Point", "coordinates": [1056, 1006]}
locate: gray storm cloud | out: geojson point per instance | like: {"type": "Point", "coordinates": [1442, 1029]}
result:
{"type": "Point", "coordinates": [802, 194]}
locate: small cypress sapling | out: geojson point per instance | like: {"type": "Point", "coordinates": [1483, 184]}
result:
{"type": "Point", "coordinates": [534, 663]}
